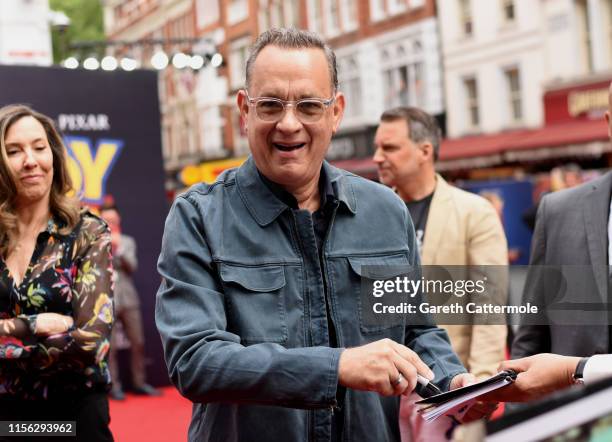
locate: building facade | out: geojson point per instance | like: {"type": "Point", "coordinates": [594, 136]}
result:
{"type": "Point", "coordinates": [482, 67]}
{"type": "Point", "coordinates": [25, 34]}
{"type": "Point", "coordinates": [134, 20]}
{"type": "Point", "coordinates": [502, 60]}
{"type": "Point", "coordinates": [388, 55]}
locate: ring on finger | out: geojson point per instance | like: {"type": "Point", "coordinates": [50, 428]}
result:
{"type": "Point", "coordinates": [398, 381]}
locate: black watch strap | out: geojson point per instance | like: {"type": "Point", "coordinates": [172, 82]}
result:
{"type": "Point", "coordinates": [579, 373]}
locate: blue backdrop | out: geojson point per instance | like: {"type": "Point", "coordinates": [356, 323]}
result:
{"type": "Point", "coordinates": [111, 125]}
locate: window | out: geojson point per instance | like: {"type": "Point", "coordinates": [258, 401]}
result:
{"type": "Point", "coordinates": [377, 9]}
{"type": "Point", "coordinates": [508, 10]}
{"type": "Point", "coordinates": [332, 17]}
{"type": "Point", "coordinates": [238, 56]}
{"type": "Point", "coordinates": [418, 84]}
{"type": "Point", "coordinates": [314, 16]}
{"type": "Point", "coordinates": [381, 9]}
{"type": "Point", "coordinates": [237, 10]}
{"type": "Point", "coordinates": [513, 86]}
{"type": "Point", "coordinates": [403, 75]}
{"type": "Point", "coordinates": [465, 15]}
{"type": "Point", "coordinates": [348, 10]}
{"type": "Point", "coordinates": [180, 27]}
{"type": "Point", "coordinates": [278, 13]}
{"type": "Point", "coordinates": [586, 45]}
{"type": "Point", "coordinates": [211, 130]}
{"type": "Point", "coordinates": [471, 100]}
{"type": "Point", "coordinates": [396, 6]}
{"type": "Point", "coordinates": [292, 13]}
{"type": "Point", "coordinates": [264, 20]}
{"type": "Point", "coordinates": [350, 84]}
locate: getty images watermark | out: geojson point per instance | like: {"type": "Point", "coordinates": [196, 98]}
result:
{"type": "Point", "coordinates": [536, 295]}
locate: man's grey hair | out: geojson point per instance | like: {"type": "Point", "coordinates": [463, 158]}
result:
{"type": "Point", "coordinates": [421, 126]}
{"type": "Point", "coordinates": [291, 38]}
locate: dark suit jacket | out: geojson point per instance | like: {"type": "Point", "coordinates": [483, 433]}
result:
{"type": "Point", "coordinates": [572, 230]}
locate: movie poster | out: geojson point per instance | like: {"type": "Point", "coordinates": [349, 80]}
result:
{"type": "Point", "coordinates": [111, 127]}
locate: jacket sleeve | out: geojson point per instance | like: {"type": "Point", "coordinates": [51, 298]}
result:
{"type": "Point", "coordinates": [206, 362]}
{"type": "Point", "coordinates": [487, 251]}
{"type": "Point", "coordinates": [428, 341]}
{"type": "Point", "coordinates": [531, 339]}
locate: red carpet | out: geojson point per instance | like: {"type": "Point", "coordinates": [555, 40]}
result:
{"type": "Point", "coordinates": [159, 419]}
{"type": "Point", "coordinates": [151, 419]}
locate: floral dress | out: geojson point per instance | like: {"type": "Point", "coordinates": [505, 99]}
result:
{"type": "Point", "coordinates": [70, 275]}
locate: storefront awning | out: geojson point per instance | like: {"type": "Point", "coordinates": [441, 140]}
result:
{"type": "Point", "coordinates": [587, 138]}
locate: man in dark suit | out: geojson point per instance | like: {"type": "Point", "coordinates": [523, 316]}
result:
{"type": "Point", "coordinates": [573, 228]}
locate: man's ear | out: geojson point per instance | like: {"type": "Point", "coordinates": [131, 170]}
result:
{"type": "Point", "coordinates": [427, 150]}
{"type": "Point", "coordinates": [243, 106]}
{"type": "Point", "coordinates": [338, 110]}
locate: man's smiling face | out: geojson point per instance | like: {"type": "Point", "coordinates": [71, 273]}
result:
{"type": "Point", "coordinates": [290, 152]}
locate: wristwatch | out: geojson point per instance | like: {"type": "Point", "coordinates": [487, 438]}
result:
{"type": "Point", "coordinates": [579, 373]}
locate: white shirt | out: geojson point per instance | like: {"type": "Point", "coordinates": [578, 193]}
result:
{"type": "Point", "coordinates": [597, 367]}
{"type": "Point", "coordinates": [600, 366]}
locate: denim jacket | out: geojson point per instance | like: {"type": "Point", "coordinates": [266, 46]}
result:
{"type": "Point", "coordinates": [242, 312]}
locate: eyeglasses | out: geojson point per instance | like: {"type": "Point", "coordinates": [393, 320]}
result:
{"type": "Point", "coordinates": [272, 110]}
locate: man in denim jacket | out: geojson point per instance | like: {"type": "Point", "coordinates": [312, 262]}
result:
{"type": "Point", "coordinates": [259, 308]}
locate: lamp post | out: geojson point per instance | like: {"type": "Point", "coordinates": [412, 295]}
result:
{"type": "Point", "coordinates": [60, 22]}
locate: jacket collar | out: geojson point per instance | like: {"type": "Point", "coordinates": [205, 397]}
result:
{"type": "Point", "coordinates": [265, 207]}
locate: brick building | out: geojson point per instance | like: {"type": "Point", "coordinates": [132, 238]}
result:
{"type": "Point", "coordinates": [388, 54]}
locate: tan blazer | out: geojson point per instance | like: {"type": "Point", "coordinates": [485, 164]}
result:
{"type": "Point", "coordinates": [464, 229]}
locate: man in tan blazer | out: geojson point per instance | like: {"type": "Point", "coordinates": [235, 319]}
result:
{"type": "Point", "coordinates": [454, 227]}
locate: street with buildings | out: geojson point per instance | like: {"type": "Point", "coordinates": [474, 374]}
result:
{"type": "Point", "coordinates": [519, 89]}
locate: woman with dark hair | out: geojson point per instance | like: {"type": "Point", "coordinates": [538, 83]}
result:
{"type": "Point", "coordinates": [55, 285]}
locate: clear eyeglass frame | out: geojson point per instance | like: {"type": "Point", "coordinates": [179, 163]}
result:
{"type": "Point", "coordinates": [302, 112]}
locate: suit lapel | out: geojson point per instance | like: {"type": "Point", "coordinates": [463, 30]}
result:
{"type": "Point", "coordinates": [441, 205]}
{"type": "Point", "coordinates": [596, 207]}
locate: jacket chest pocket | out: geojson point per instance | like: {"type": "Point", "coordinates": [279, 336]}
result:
{"type": "Point", "coordinates": [366, 271]}
{"type": "Point", "coordinates": [255, 302]}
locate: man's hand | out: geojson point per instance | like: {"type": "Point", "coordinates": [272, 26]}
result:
{"type": "Point", "coordinates": [48, 324]}
{"type": "Point", "coordinates": [377, 367]}
{"type": "Point", "coordinates": [480, 410]}
{"type": "Point", "coordinates": [462, 380]}
{"type": "Point", "coordinates": [539, 375]}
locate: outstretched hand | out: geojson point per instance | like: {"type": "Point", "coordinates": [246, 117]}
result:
{"type": "Point", "coordinates": [538, 376]}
